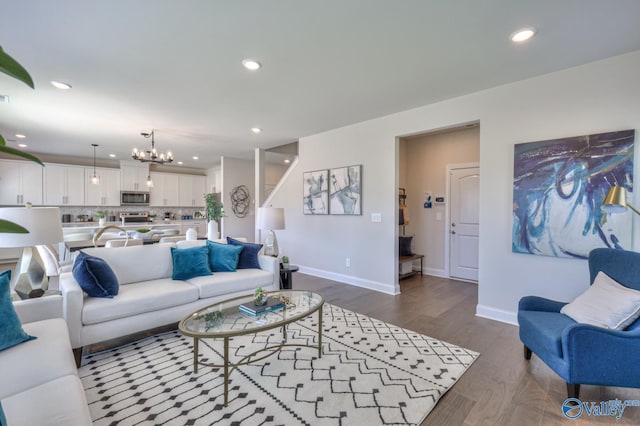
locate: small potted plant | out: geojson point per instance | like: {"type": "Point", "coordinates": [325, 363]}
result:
{"type": "Point", "coordinates": [214, 214]}
{"type": "Point", "coordinates": [259, 297]}
{"type": "Point", "coordinates": [101, 215]}
{"type": "Point", "coordinates": [285, 261]}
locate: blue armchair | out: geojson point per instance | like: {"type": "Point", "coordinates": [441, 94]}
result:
{"type": "Point", "coordinates": [582, 353]}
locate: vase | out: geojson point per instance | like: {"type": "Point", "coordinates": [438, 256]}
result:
{"type": "Point", "coordinates": [102, 221]}
{"type": "Point", "coordinates": [212, 230]}
{"type": "Point", "coordinates": [192, 234]}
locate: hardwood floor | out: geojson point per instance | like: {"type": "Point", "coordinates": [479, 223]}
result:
{"type": "Point", "coordinates": [501, 387]}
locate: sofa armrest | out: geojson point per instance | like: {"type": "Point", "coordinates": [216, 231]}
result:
{"type": "Point", "coordinates": [38, 309]}
{"type": "Point", "coordinates": [271, 264]}
{"type": "Point", "coordinates": [535, 303]}
{"type": "Point", "coordinates": [72, 303]}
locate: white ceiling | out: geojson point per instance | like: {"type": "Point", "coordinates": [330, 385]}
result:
{"type": "Point", "coordinates": [175, 66]}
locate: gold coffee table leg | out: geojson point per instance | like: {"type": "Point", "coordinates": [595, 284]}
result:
{"type": "Point", "coordinates": [195, 355]}
{"type": "Point", "coordinates": [226, 370]}
{"type": "Point", "coordinates": [320, 332]}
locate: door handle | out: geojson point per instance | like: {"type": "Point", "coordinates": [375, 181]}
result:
{"type": "Point", "coordinates": [453, 232]}
{"type": "Point", "coordinates": [453, 224]}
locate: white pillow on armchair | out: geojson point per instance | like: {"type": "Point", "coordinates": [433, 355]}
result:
{"type": "Point", "coordinates": [606, 304]}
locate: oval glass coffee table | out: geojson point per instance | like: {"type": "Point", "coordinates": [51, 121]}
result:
{"type": "Point", "coordinates": [224, 320]}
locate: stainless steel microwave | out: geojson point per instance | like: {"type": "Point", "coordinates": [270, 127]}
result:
{"type": "Point", "coordinates": [134, 198]}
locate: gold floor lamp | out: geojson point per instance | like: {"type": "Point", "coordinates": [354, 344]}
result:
{"type": "Point", "coordinates": [616, 201]}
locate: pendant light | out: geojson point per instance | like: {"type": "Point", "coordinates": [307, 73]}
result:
{"type": "Point", "coordinates": [95, 179]}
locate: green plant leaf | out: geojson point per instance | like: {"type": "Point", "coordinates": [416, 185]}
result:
{"type": "Point", "coordinates": [7, 227]}
{"type": "Point", "coordinates": [13, 151]}
{"type": "Point", "coordinates": [2, 142]}
{"type": "Point", "coordinates": [11, 67]}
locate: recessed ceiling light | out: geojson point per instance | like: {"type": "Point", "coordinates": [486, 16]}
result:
{"type": "Point", "coordinates": [180, 162]}
{"type": "Point", "coordinates": [20, 136]}
{"type": "Point", "coordinates": [22, 145]}
{"type": "Point", "coordinates": [523, 35]}
{"type": "Point", "coordinates": [112, 155]}
{"type": "Point", "coordinates": [61, 85]}
{"type": "Point", "coordinates": [194, 157]}
{"type": "Point", "coordinates": [256, 130]}
{"type": "Point", "coordinates": [251, 64]}
{"type": "Point", "coordinates": [287, 161]}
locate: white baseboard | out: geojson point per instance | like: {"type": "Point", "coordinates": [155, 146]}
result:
{"type": "Point", "coordinates": [348, 279]}
{"type": "Point", "coordinates": [435, 272]}
{"type": "Point", "coordinates": [497, 314]}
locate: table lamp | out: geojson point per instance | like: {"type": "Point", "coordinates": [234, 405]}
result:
{"type": "Point", "coordinates": [270, 218]}
{"type": "Point", "coordinates": [45, 227]}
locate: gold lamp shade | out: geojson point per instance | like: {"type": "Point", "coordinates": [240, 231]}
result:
{"type": "Point", "coordinates": [616, 201]}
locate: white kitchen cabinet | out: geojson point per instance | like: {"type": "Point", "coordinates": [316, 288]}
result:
{"type": "Point", "coordinates": [134, 177]}
{"type": "Point", "coordinates": [192, 190]}
{"type": "Point", "coordinates": [105, 193]}
{"type": "Point", "coordinates": [63, 185]}
{"type": "Point", "coordinates": [165, 191]}
{"type": "Point", "coordinates": [20, 183]}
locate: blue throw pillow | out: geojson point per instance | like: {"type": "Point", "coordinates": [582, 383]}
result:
{"type": "Point", "coordinates": [95, 276]}
{"type": "Point", "coordinates": [190, 262]}
{"type": "Point", "coordinates": [3, 419]}
{"type": "Point", "coordinates": [223, 257]}
{"type": "Point", "coordinates": [248, 255]}
{"type": "Point", "coordinates": [11, 332]}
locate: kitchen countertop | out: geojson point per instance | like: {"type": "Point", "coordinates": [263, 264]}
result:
{"type": "Point", "coordinates": [94, 224]}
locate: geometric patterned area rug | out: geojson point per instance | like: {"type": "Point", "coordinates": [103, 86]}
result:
{"type": "Point", "coordinates": [370, 373]}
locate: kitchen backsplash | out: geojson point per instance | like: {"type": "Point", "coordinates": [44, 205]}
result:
{"type": "Point", "coordinates": [84, 213]}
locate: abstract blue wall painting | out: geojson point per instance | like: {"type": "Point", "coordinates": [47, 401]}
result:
{"type": "Point", "coordinates": [345, 190]}
{"type": "Point", "coordinates": [558, 188]}
{"type": "Point", "coordinates": [315, 192]}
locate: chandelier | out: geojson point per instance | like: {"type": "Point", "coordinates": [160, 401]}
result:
{"type": "Point", "coordinates": [152, 155]}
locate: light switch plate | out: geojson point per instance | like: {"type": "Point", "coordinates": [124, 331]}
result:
{"type": "Point", "coordinates": [376, 217]}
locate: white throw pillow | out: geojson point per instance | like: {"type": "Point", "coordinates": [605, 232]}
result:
{"type": "Point", "coordinates": [605, 304]}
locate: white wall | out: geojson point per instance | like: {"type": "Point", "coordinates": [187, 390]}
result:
{"type": "Point", "coordinates": [234, 173]}
{"type": "Point", "coordinates": [593, 98]}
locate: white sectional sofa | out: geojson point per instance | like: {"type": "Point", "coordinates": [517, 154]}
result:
{"type": "Point", "coordinates": [40, 384]}
{"type": "Point", "coordinates": [148, 297]}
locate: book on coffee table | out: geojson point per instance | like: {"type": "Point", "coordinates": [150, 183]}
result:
{"type": "Point", "coordinates": [272, 304]}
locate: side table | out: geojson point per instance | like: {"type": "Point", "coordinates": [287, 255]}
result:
{"type": "Point", "coordinates": [286, 279]}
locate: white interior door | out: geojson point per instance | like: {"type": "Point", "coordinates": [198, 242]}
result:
{"type": "Point", "coordinates": [465, 223]}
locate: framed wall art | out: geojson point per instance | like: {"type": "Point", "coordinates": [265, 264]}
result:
{"type": "Point", "coordinates": [345, 190]}
{"type": "Point", "coordinates": [558, 189]}
{"type": "Point", "coordinates": [315, 193]}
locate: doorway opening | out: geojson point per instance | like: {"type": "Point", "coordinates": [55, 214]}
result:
{"type": "Point", "coordinates": [442, 207]}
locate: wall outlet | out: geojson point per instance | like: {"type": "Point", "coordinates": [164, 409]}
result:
{"type": "Point", "coordinates": [347, 262]}
{"type": "Point", "coordinates": [376, 217]}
